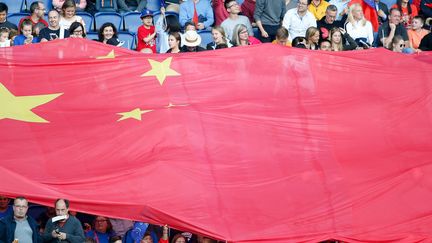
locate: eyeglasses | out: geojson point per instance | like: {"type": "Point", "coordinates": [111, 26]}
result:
{"type": "Point", "coordinates": [232, 5]}
{"type": "Point", "coordinates": [78, 32]}
{"type": "Point", "coordinates": [303, 4]}
{"type": "Point", "coordinates": [402, 45]}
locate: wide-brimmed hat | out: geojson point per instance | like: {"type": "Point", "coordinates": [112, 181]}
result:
{"type": "Point", "coordinates": [192, 38]}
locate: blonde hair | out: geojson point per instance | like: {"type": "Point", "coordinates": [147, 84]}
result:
{"type": "Point", "coordinates": [339, 46]}
{"type": "Point", "coordinates": [351, 16]}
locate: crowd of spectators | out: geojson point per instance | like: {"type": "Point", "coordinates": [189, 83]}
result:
{"type": "Point", "coordinates": [313, 23]}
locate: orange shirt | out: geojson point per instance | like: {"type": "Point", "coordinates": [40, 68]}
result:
{"type": "Point", "coordinates": [415, 37]}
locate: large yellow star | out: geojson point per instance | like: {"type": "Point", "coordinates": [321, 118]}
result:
{"type": "Point", "coordinates": [134, 114]}
{"type": "Point", "coordinates": [19, 107]}
{"type": "Point", "coordinates": [161, 70]}
{"type": "Point", "coordinates": [110, 55]}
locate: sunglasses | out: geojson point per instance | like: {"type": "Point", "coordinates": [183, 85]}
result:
{"type": "Point", "coordinates": [402, 45]}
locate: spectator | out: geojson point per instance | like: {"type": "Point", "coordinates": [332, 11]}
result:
{"type": "Point", "coordinates": [37, 10]}
{"type": "Point", "coordinates": [146, 32]}
{"type": "Point", "coordinates": [199, 12]}
{"type": "Point", "coordinates": [299, 42]}
{"type": "Point", "coordinates": [328, 22]}
{"type": "Point", "coordinates": [416, 33]}
{"type": "Point", "coordinates": [178, 238]}
{"type": "Point", "coordinates": [189, 26]}
{"type": "Point", "coordinates": [53, 31]}
{"type": "Point", "coordinates": [248, 9]}
{"type": "Point", "coordinates": [408, 11]}
{"type": "Point", "coordinates": [312, 38]}
{"type": "Point", "coordinates": [79, 4]}
{"type": "Point", "coordinates": [241, 36]}
{"type": "Point", "coordinates": [19, 227]}
{"type": "Point", "coordinates": [108, 35]}
{"type": "Point", "coordinates": [325, 45]}
{"type": "Point", "coordinates": [220, 12]}
{"type": "Point", "coordinates": [76, 30]}
{"type": "Point", "coordinates": [426, 43]}
{"type": "Point", "coordinates": [234, 19]}
{"type": "Point", "coordinates": [219, 39]}
{"type": "Point", "coordinates": [131, 5]}
{"type": "Point", "coordinates": [337, 42]}
{"type": "Point", "coordinates": [4, 42]}
{"type": "Point", "coordinates": [67, 230]}
{"type": "Point", "coordinates": [298, 20]}
{"type": "Point", "coordinates": [391, 28]}
{"type": "Point", "coordinates": [397, 44]}
{"type": "Point", "coordinates": [27, 34]}
{"type": "Point", "coordinates": [102, 230]}
{"type": "Point", "coordinates": [282, 37]}
{"type": "Point", "coordinates": [268, 16]}
{"type": "Point", "coordinates": [68, 15]}
{"type": "Point", "coordinates": [382, 11]}
{"type": "Point", "coordinates": [3, 21]}
{"type": "Point", "coordinates": [342, 9]}
{"type": "Point", "coordinates": [358, 27]}
{"type": "Point", "coordinates": [164, 26]}
{"type": "Point", "coordinates": [174, 42]}
{"type": "Point", "coordinates": [191, 42]}
{"type": "Point", "coordinates": [318, 8]}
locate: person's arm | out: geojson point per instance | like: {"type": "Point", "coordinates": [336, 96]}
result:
{"type": "Point", "coordinates": [165, 237]}
{"type": "Point", "coordinates": [77, 236]}
{"type": "Point", "coordinates": [209, 15]}
{"type": "Point", "coordinates": [259, 10]}
{"type": "Point", "coordinates": [352, 45]}
{"type": "Point", "coordinates": [387, 40]}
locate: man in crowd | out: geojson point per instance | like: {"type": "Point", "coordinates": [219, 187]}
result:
{"type": "Point", "coordinates": [5, 208]}
{"type": "Point", "coordinates": [53, 31]}
{"type": "Point", "coordinates": [268, 15]}
{"type": "Point", "coordinates": [234, 19]}
{"type": "Point", "coordinates": [37, 10]}
{"type": "Point", "coordinates": [328, 22]}
{"type": "Point", "coordinates": [298, 20]}
{"type": "Point", "coordinates": [198, 11]}
{"type": "Point", "coordinates": [64, 230]}
{"type": "Point", "coordinates": [19, 226]}
{"type": "Point", "coordinates": [392, 28]}
{"type": "Point", "coordinates": [3, 14]}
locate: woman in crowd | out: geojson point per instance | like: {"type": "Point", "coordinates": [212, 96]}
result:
{"type": "Point", "coordinates": [408, 11]}
{"type": "Point", "coordinates": [102, 230]}
{"type": "Point", "coordinates": [312, 38]}
{"type": "Point", "coordinates": [219, 39]}
{"type": "Point", "coordinates": [108, 34]}
{"type": "Point", "coordinates": [337, 36]}
{"type": "Point", "coordinates": [241, 36]}
{"type": "Point", "coordinates": [67, 16]}
{"type": "Point", "coordinates": [76, 30]}
{"type": "Point", "coordinates": [174, 42]}
{"type": "Point", "coordinates": [164, 26]}
{"type": "Point", "coordinates": [358, 27]}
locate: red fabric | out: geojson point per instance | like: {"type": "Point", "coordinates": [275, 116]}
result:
{"type": "Point", "coordinates": [143, 32]}
{"type": "Point", "coordinates": [195, 15]}
{"type": "Point", "coordinates": [248, 8]}
{"type": "Point", "coordinates": [290, 146]}
{"type": "Point", "coordinates": [220, 11]}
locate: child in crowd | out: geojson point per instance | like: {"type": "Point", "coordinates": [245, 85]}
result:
{"type": "Point", "coordinates": [146, 32]}
{"type": "Point", "coordinates": [325, 45]}
{"type": "Point", "coordinates": [27, 34]}
{"type": "Point", "coordinates": [282, 37]}
{"type": "Point", "coordinates": [4, 37]}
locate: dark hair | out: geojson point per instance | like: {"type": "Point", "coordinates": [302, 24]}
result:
{"type": "Point", "coordinates": [109, 225]}
{"type": "Point", "coordinates": [189, 23]}
{"type": "Point", "coordinates": [399, 6]}
{"type": "Point", "coordinates": [298, 42]}
{"type": "Point", "coordinates": [331, 8]}
{"type": "Point", "coordinates": [76, 25]}
{"type": "Point", "coordinates": [115, 238]}
{"type": "Point", "coordinates": [419, 18]}
{"type": "Point", "coordinates": [325, 40]}
{"type": "Point", "coordinates": [394, 9]}
{"type": "Point", "coordinates": [62, 199]}
{"type": "Point", "coordinates": [3, 7]}
{"type": "Point", "coordinates": [34, 6]}
{"type": "Point", "coordinates": [177, 36]}
{"type": "Point", "coordinates": [101, 29]}
{"type": "Point", "coordinates": [174, 239]}
{"type": "Point", "coordinates": [26, 22]}
{"type": "Point", "coordinates": [227, 3]}
{"type": "Point", "coordinates": [173, 25]}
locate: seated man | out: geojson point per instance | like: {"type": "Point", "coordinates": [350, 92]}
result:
{"type": "Point", "coordinates": [53, 31]}
{"type": "Point", "coordinates": [328, 22]}
{"type": "Point", "coordinates": [3, 22]}
{"type": "Point", "coordinates": [132, 5]}
{"type": "Point", "coordinates": [37, 10]}
{"type": "Point", "coordinates": [198, 11]}
{"type": "Point", "coordinates": [391, 28]}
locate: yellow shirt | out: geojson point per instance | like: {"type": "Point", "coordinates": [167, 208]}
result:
{"type": "Point", "coordinates": [288, 43]}
{"type": "Point", "coordinates": [320, 10]}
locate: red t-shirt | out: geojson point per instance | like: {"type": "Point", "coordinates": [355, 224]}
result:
{"type": "Point", "coordinates": [29, 17]}
{"type": "Point", "coordinates": [143, 32]}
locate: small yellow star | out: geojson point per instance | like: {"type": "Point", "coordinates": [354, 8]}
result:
{"type": "Point", "coordinates": [134, 114]}
{"type": "Point", "coordinates": [161, 70]}
{"type": "Point", "coordinates": [19, 107]}
{"type": "Point", "coordinates": [110, 55]}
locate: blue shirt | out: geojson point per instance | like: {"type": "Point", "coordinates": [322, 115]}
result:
{"type": "Point", "coordinates": [9, 211]}
{"type": "Point", "coordinates": [204, 10]}
{"type": "Point", "coordinates": [19, 40]}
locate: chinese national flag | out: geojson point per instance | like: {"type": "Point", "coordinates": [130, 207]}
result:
{"type": "Point", "coordinates": [290, 146]}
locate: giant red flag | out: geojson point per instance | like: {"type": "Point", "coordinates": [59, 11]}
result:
{"type": "Point", "coordinates": [256, 144]}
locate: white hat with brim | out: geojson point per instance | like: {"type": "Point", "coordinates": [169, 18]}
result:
{"type": "Point", "coordinates": [192, 38]}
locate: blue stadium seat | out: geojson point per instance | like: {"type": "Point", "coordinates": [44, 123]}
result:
{"type": "Point", "coordinates": [106, 5]}
{"type": "Point", "coordinates": [128, 39]}
{"type": "Point", "coordinates": [16, 17]}
{"type": "Point", "coordinates": [206, 37]}
{"type": "Point", "coordinates": [92, 36]}
{"type": "Point", "coordinates": [14, 6]}
{"type": "Point", "coordinates": [103, 17]}
{"type": "Point", "coordinates": [153, 5]}
{"type": "Point", "coordinates": [132, 21]}
{"type": "Point", "coordinates": [88, 20]}
{"type": "Point", "coordinates": [48, 4]}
